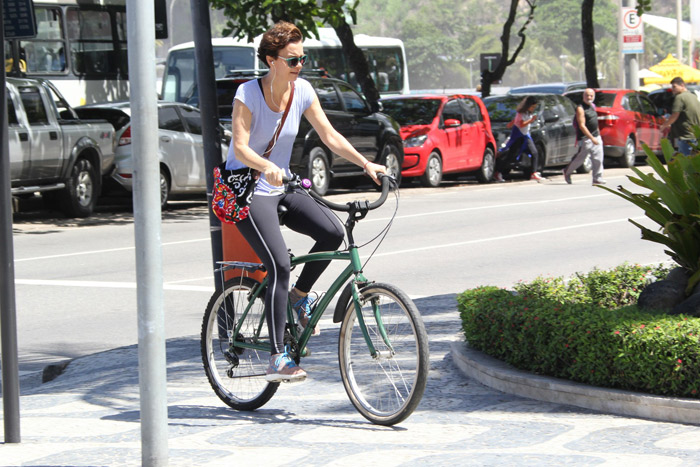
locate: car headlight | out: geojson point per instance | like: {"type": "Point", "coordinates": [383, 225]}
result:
{"type": "Point", "coordinates": [415, 141]}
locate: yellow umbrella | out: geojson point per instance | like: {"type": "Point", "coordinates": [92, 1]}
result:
{"type": "Point", "coordinates": [669, 68]}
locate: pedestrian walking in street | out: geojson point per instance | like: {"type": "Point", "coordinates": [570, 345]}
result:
{"type": "Point", "coordinates": [685, 114]}
{"type": "Point", "coordinates": [520, 140]}
{"type": "Point", "coordinates": [588, 140]}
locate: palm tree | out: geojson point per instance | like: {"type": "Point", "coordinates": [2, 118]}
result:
{"type": "Point", "coordinates": [608, 59]}
{"type": "Point", "coordinates": [534, 63]}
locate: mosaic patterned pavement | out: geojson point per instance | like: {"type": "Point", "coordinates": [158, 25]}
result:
{"type": "Point", "coordinates": [89, 416]}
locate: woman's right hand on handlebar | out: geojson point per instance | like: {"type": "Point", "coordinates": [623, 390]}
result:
{"type": "Point", "coordinates": [373, 169]}
{"type": "Point", "coordinates": [274, 175]}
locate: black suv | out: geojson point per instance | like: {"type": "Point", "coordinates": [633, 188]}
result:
{"type": "Point", "coordinates": [374, 134]}
{"type": "Point", "coordinates": [553, 130]}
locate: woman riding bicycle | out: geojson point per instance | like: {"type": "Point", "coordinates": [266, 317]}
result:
{"type": "Point", "coordinates": [257, 109]}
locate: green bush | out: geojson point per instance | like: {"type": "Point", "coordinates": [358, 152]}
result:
{"type": "Point", "coordinates": [610, 289]}
{"type": "Point", "coordinates": [568, 334]}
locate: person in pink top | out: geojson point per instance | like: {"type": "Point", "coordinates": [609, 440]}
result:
{"type": "Point", "coordinates": [520, 139]}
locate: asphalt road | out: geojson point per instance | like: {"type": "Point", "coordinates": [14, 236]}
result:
{"type": "Point", "coordinates": [76, 281]}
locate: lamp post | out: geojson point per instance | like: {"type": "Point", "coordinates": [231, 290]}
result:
{"type": "Point", "coordinates": [562, 58]}
{"type": "Point", "coordinates": [470, 61]}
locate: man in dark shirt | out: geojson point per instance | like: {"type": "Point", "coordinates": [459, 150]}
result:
{"type": "Point", "coordinates": [588, 140]}
{"type": "Point", "coordinates": [685, 114]}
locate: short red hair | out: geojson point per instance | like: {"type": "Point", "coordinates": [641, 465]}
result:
{"type": "Point", "coordinates": [276, 38]}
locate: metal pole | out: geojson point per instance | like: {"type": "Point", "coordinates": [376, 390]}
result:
{"type": "Point", "coordinates": [621, 55]}
{"type": "Point", "coordinates": [206, 83]}
{"type": "Point", "coordinates": [679, 38]}
{"type": "Point", "coordinates": [8, 313]}
{"type": "Point", "coordinates": [147, 218]}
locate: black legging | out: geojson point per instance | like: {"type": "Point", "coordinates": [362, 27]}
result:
{"type": "Point", "coordinates": [505, 159]}
{"type": "Point", "coordinates": [262, 231]}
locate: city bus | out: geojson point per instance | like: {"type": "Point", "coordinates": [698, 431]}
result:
{"type": "Point", "coordinates": [80, 46]}
{"type": "Point", "coordinates": [386, 58]}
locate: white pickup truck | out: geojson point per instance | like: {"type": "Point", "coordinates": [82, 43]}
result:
{"type": "Point", "coordinates": [52, 150]}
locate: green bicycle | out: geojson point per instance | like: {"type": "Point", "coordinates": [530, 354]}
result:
{"type": "Point", "coordinates": [382, 348]}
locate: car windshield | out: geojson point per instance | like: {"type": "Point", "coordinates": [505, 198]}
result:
{"type": "Point", "coordinates": [502, 109]}
{"type": "Point", "coordinates": [411, 111]}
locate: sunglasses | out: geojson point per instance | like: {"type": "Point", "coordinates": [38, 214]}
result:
{"type": "Point", "coordinates": [292, 62]}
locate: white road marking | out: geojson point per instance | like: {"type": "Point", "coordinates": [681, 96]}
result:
{"type": "Point", "coordinates": [365, 221]}
{"type": "Point", "coordinates": [177, 286]}
{"type": "Point", "coordinates": [506, 237]}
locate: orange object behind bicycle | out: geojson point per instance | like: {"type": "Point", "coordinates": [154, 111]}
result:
{"type": "Point", "coordinates": [236, 248]}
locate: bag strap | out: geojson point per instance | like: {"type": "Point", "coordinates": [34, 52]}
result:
{"type": "Point", "coordinates": [272, 142]}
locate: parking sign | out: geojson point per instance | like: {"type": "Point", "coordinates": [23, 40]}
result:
{"type": "Point", "coordinates": [632, 32]}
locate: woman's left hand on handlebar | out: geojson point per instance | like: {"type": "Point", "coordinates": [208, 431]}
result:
{"type": "Point", "coordinates": [373, 169]}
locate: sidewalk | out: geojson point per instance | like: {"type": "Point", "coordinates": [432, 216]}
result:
{"type": "Point", "coordinates": [89, 416]}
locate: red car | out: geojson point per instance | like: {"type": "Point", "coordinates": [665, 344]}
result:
{"type": "Point", "coordinates": [442, 135]}
{"type": "Point", "coordinates": [626, 119]}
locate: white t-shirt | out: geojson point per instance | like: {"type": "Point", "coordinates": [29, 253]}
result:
{"type": "Point", "coordinates": [520, 118]}
{"type": "Point", "coordinates": [264, 124]}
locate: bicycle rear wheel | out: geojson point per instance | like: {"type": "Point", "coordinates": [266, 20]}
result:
{"type": "Point", "coordinates": [236, 374]}
{"type": "Point", "coordinates": [387, 388]}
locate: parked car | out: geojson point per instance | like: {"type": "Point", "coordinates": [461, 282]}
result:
{"type": "Point", "coordinates": [443, 134]}
{"type": "Point", "coordinates": [52, 150]}
{"type": "Point", "coordinates": [663, 97]}
{"type": "Point", "coordinates": [627, 119]}
{"type": "Point", "coordinates": [180, 146]}
{"type": "Point", "coordinates": [374, 134]}
{"type": "Point", "coordinates": [548, 88]}
{"type": "Point", "coordinates": [553, 131]}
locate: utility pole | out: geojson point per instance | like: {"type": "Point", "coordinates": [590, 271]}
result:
{"type": "Point", "coordinates": [140, 18]}
{"type": "Point", "coordinates": [8, 312]}
{"type": "Point", "coordinates": [206, 84]}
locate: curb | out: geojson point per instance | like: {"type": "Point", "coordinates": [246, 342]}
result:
{"type": "Point", "coordinates": [502, 377]}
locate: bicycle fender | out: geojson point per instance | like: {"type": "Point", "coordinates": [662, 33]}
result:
{"type": "Point", "coordinates": [342, 305]}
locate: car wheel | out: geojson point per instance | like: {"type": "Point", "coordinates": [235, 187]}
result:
{"type": "Point", "coordinates": [319, 173]}
{"type": "Point", "coordinates": [433, 171]}
{"type": "Point", "coordinates": [164, 188]}
{"type": "Point", "coordinates": [80, 194]}
{"type": "Point", "coordinates": [392, 160]}
{"type": "Point", "coordinates": [586, 167]}
{"type": "Point", "coordinates": [630, 156]}
{"type": "Point", "coordinates": [488, 164]}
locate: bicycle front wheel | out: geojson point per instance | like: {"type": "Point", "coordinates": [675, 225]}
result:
{"type": "Point", "coordinates": [385, 388]}
{"type": "Point", "coordinates": [237, 374]}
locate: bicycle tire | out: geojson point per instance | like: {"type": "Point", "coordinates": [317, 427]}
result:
{"type": "Point", "coordinates": [388, 388]}
{"type": "Point", "coordinates": [241, 386]}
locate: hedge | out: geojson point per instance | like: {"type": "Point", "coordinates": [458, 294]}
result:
{"type": "Point", "coordinates": [567, 329]}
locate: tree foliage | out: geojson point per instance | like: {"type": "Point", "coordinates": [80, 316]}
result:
{"type": "Point", "coordinates": [439, 38]}
{"type": "Point", "coordinates": [489, 77]}
{"type": "Point", "coordinates": [250, 18]}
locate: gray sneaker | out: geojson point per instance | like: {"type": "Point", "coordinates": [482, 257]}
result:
{"type": "Point", "coordinates": [283, 368]}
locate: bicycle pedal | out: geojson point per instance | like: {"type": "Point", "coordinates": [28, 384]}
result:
{"type": "Point", "coordinates": [301, 380]}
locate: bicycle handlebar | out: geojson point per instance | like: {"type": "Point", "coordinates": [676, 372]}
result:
{"type": "Point", "coordinates": [387, 182]}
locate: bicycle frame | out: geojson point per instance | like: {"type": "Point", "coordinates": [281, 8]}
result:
{"type": "Point", "coordinates": [354, 268]}
{"type": "Point", "coordinates": [357, 210]}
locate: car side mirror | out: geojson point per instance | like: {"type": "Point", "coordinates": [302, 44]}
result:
{"type": "Point", "coordinates": [452, 122]}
